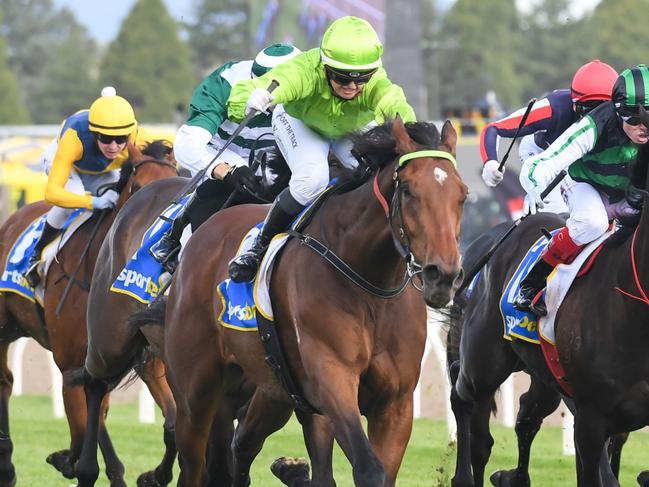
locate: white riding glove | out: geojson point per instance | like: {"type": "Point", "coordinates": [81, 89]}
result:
{"type": "Point", "coordinates": [259, 101]}
{"type": "Point", "coordinates": [533, 201]}
{"type": "Point", "coordinates": [491, 174]}
{"type": "Point", "coordinates": [106, 200]}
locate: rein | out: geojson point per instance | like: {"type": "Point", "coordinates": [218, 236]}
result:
{"type": "Point", "coordinates": [159, 162]}
{"type": "Point", "coordinates": [401, 242]}
{"type": "Point", "coordinates": [636, 278]}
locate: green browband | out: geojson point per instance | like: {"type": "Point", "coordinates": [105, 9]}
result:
{"type": "Point", "coordinates": [427, 153]}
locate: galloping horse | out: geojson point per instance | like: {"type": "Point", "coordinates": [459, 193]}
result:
{"type": "Point", "coordinates": [601, 344]}
{"type": "Point", "coordinates": [115, 346]}
{"type": "Point", "coordinates": [65, 333]}
{"type": "Point", "coordinates": [350, 351]}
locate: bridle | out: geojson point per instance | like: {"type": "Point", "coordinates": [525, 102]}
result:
{"type": "Point", "coordinates": [159, 162]}
{"type": "Point", "coordinates": [393, 210]}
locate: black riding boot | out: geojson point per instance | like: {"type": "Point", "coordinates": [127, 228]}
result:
{"type": "Point", "coordinates": [49, 233]}
{"type": "Point", "coordinates": [244, 267]}
{"type": "Point", "coordinates": [531, 286]}
{"type": "Point", "coordinates": [165, 250]}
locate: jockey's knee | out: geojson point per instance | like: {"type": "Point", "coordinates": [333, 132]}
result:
{"type": "Point", "coordinates": [57, 216]}
{"type": "Point", "coordinates": [585, 230]}
{"type": "Point", "coordinates": [306, 190]}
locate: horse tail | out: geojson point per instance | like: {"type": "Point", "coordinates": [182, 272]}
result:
{"type": "Point", "coordinates": [152, 315]}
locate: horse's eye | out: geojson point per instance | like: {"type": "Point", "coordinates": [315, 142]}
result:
{"type": "Point", "coordinates": [406, 191]}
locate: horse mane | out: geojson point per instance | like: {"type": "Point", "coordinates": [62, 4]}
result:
{"type": "Point", "coordinates": [156, 149]}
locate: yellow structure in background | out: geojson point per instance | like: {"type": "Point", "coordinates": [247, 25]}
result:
{"type": "Point", "coordinates": [22, 179]}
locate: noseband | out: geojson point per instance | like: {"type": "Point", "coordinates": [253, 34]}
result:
{"type": "Point", "coordinates": [393, 210]}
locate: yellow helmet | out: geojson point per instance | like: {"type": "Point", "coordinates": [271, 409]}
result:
{"type": "Point", "coordinates": [111, 114]}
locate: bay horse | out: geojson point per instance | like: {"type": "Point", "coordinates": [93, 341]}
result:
{"type": "Point", "coordinates": [600, 341]}
{"type": "Point", "coordinates": [116, 345]}
{"type": "Point", "coordinates": [64, 333]}
{"type": "Point", "coordinates": [350, 351]}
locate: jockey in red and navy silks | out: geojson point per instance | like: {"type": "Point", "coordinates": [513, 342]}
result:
{"type": "Point", "coordinates": [548, 119]}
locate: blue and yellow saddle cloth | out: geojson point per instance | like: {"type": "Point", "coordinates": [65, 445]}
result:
{"type": "Point", "coordinates": [521, 324]}
{"type": "Point", "coordinates": [238, 309]}
{"type": "Point", "coordinates": [12, 279]}
{"type": "Point", "coordinates": [141, 278]}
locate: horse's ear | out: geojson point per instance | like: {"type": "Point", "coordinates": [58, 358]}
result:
{"type": "Point", "coordinates": [404, 144]}
{"type": "Point", "coordinates": [449, 137]}
{"type": "Point", "coordinates": [171, 158]}
{"type": "Point", "coordinates": [134, 152]}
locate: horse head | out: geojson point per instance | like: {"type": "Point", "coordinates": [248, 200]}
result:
{"type": "Point", "coordinates": [155, 161]}
{"type": "Point", "coordinates": [427, 208]}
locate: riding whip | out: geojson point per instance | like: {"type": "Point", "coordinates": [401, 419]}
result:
{"type": "Point", "coordinates": [518, 130]}
{"type": "Point", "coordinates": [191, 185]}
{"type": "Point", "coordinates": [485, 258]}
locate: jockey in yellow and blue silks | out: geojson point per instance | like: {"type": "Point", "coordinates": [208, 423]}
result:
{"type": "Point", "coordinates": [87, 154]}
{"type": "Point", "coordinates": [324, 94]}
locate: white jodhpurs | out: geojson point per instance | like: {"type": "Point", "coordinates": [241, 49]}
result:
{"type": "Point", "coordinates": [555, 202]}
{"type": "Point", "coordinates": [588, 218]}
{"type": "Point", "coordinates": [306, 154]}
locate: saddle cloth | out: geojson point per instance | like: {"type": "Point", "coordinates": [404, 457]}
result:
{"type": "Point", "coordinates": [241, 301]}
{"type": "Point", "coordinates": [525, 325]}
{"type": "Point", "coordinates": [143, 276]}
{"type": "Point", "coordinates": [12, 279]}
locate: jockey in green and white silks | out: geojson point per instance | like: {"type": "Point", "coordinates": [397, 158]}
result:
{"type": "Point", "coordinates": [205, 132]}
{"type": "Point", "coordinates": [597, 152]}
{"type": "Point", "coordinates": [324, 94]}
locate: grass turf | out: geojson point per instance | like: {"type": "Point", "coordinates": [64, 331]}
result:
{"type": "Point", "coordinates": [429, 459]}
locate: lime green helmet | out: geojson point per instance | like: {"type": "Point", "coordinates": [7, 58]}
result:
{"type": "Point", "coordinates": [351, 44]}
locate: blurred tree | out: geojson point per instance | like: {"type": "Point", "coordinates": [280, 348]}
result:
{"type": "Point", "coordinates": [480, 50]}
{"type": "Point", "coordinates": [12, 110]}
{"type": "Point", "coordinates": [220, 33]}
{"type": "Point", "coordinates": [619, 32]}
{"type": "Point", "coordinates": [555, 45]}
{"type": "Point", "coordinates": [44, 41]}
{"type": "Point", "coordinates": [149, 65]}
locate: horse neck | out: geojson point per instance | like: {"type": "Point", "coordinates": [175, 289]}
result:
{"type": "Point", "coordinates": [357, 229]}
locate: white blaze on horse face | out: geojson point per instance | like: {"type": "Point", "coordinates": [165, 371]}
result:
{"type": "Point", "coordinates": [440, 175]}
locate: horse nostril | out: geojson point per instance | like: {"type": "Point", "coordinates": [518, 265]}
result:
{"type": "Point", "coordinates": [431, 273]}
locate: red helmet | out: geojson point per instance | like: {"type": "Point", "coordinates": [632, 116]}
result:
{"type": "Point", "coordinates": [593, 81]}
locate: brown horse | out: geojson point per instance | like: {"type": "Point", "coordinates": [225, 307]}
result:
{"type": "Point", "coordinates": [601, 340]}
{"type": "Point", "coordinates": [65, 334]}
{"type": "Point", "coordinates": [350, 351]}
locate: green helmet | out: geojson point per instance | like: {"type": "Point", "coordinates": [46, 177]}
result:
{"type": "Point", "coordinates": [273, 56]}
{"type": "Point", "coordinates": [632, 88]}
{"type": "Point", "coordinates": [351, 44]}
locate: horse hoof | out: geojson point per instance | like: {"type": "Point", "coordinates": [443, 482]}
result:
{"type": "Point", "coordinates": [509, 478]}
{"type": "Point", "coordinates": [9, 483]}
{"type": "Point", "coordinates": [643, 479]}
{"type": "Point", "coordinates": [60, 460]}
{"type": "Point", "coordinates": [290, 470]}
{"type": "Point", "coordinates": [147, 479]}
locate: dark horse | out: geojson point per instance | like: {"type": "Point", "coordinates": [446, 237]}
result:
{"type": "Point", "coordinates": [601, 343]}
{"type": "Point", "coordinates": [350, 352]}
{"type": "Point", "coordinates": [65, 334]}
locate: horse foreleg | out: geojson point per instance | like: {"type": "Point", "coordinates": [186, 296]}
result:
{"type": "Point", "coordinates": [219, 457]}
{"type": "Point", "coordinates": [153, 374]}
{"type": "Point", "coordinates": [535, 405]}
{"type": "Point", "coordinates": [74, 402]}
{"type": "Point", "coordinates": [7, 470]}
{"type": "Point", "coordinates": [87, 468]}
{"type": "Point", "coordinates": [319, 440]}
{"type": "Point", "coordinates": [264, 416]}
{"type": "Point", "coordinates": [114, 467]}
{"type": "Point", "coordinates": [615, 451]}
{"type": "Point", "coordinates": [389, 428]}
{"type": "Point", "coordinates": [590, 440]}
{"type": "Point", "coordinates": [462, 410]}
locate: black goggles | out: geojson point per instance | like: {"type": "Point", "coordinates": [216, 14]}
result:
{"type": "Point", "coordinates": [631, 119]}
{"type": "Point", "coordinates": [583, 107]}
{"type": "Point", "coordinates": [108, 139]}
{"type": "Point", "coordinates": [344, 78]}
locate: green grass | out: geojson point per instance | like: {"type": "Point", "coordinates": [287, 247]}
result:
{"type": "Point", "coordinates": [429, 460]}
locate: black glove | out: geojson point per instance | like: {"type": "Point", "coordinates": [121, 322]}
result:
{"type": "Point", "coordinates": [241, 178]}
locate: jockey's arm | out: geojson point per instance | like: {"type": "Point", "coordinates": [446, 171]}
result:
{"type": "Point", "coordinates": [540, 118]}
{"type": "Point", "coordinates": [577, 141]}
{"type": "Point", "coordinates": [190, 149]}
{"type": "Point", "coordinates": [69, 151]}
